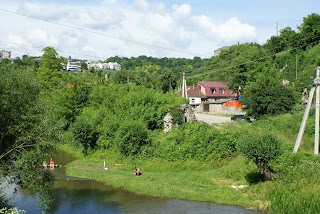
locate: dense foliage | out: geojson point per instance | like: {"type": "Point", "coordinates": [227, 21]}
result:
{"type": "Point", "coordinates": [196, 141]}
{"type": "Point", "coordinates": [42, 106]}
{"type": "Point", "coordinates": [261, 149]}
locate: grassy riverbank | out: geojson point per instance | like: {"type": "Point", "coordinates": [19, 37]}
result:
{"type": "Point", "coordinates": [182, 180]}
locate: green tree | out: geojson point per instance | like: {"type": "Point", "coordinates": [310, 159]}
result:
{"type": "Point", "coordinates": [131, 137]}
{"type": "Point", "coordinates": [266, 97]}
{"type": "Point", "coordinates": [261, 148]}
{"type": "Point", "coordinates": [167, 81]}
{"type": "Point", "coordinates": [50, 59]}
{"type": "Point", "coordinates": [18, 92]}
{"type": "Point", "coordinates": [287, 38]}
{"type": "Point", "coordinates": [310, 30]}
{"type": "Point", "coordinates": [273, 44]}
{"type": "Point", "coordinates": [49, 73]}
{"type": "Point", "coordinates": [85, 129]}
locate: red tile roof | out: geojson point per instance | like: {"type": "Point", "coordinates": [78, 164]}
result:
{"type": "Point", "coordinates": [206, 89]}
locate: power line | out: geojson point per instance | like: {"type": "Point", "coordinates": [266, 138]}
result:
{"type": "Point", "coordinates": [105, 35]}
{"type": "Point", "coordinates": [127, 40]}
{"type": "Point", "coordinates": [190, 77]}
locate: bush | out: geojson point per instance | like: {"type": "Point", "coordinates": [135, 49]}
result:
{"type": "Point", "coordinates": [131, 137]}
{"type": "Point", "coordinates": [296, 189]}
{"type": "Point", "coordinates": [196, 141]}
{"type": "Point", "coordinates": [85, 129]}
{"type": "Point", "coordinates": [261, 149]}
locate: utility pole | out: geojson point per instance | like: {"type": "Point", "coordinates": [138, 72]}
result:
{"type": "Point", "coordinates": [277, 28]}
{"type": "Point", "coordinates": [316, 87]}
{"type": "Point", "coordinates": [184, 85]}
{"type": "Point", "coordinates": [183, 78]}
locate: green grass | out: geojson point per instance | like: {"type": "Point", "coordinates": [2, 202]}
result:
{"type": "Point", "coordinates": [181, 180]}
{"type": "Point", "coordinates": [294, 191]}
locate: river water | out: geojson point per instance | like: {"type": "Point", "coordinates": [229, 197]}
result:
{"type": "Point", "coordinates": [72, 195]}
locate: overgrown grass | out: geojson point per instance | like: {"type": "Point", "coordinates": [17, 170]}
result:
{"type": "Point", "coordinates": [191, 180]}
{"type": "Point", "coordinates": [295, 190]}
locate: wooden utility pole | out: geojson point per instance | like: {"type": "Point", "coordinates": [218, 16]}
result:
{"type": "Point", "coordinates": [316, 87]}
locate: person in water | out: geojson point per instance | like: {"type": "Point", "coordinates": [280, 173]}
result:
{"type": "Point", "coordinates": [51, 163]}
{"type": "Point", "coordinates": [44, 164]}
{"type": "Point", "coordinates": [137, 171]}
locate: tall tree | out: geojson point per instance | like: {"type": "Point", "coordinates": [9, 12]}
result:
{"type": "Point", "coordinates": [50, 59]}
{"type": "Point", "coordinates": [268, 97]}
{"type": "Point", "coordinates": [18, 91]}
{"type": "Point", "coordinates": [49, 73]}
{"type": "Point", "coordinates": [167, 81]}
{"type": "Point", "coordinates": [310, 30]}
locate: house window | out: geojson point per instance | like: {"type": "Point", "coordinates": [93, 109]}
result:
{"type": "Point", "coordinates": [221, 90]}
{"type": "Point", "coordinates": [213, 90]}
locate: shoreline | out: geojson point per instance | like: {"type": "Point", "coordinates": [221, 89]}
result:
{"type": "Point", "coordinates": [204, 185]}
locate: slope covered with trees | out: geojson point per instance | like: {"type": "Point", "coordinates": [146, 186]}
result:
{"type": "Point", "coordinates": [42, 108]}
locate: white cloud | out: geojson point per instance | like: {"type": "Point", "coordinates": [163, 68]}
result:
{"type": "Point", "coordinates": [141, 4]}
{"type": "Point", "coordinates": [233, 30]}
{"type": "Point", "coordinates": [148, 22]}
{"type": "Point", "coordinates": [182, 10]}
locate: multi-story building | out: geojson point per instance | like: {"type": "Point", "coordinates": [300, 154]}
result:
{"type": "Point", "coordinates": [114, 66]}
{"type": "Point", "coordinates": [73, 65]}
{"type": "Point", "coordinates": [103, 65]}
{"type": "Point", "coordinates": [5, 54]}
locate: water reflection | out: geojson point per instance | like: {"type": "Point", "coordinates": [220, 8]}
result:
{"type": "Point", "coordinates": [73, 195]}
{"type": "Point", "coordinates": [83, 196]}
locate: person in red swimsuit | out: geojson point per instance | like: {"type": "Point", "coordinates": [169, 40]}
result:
{"type": "Point", "coordinates": [51, 163]}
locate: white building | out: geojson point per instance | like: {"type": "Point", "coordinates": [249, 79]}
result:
{"type": "Point", "coordinates": [103, 65]}
{"type": "Point", "coordinates": [5, 54]}
{"type": "Point", "coordinates": [73, 65]}
{"type": "Point", "coordinates": [114, 66]}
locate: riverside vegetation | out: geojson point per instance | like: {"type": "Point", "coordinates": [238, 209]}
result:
{"type": "Point", "coordinates": [120, 120]}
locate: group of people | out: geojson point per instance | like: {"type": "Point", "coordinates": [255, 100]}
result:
{"type": "Point", "coordinates": [51, 164]}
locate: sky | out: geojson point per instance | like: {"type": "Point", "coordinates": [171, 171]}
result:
{"type": "Point", "coordinates": [99, 29]}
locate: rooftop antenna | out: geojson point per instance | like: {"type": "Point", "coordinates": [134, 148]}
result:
{"type": "Point", "coordinates": [316, 84]}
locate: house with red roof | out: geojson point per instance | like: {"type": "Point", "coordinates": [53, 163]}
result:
{"type": "Point", "coordinates": [216, 91]}
{"type": "Point", "coordinates": [210, 92]}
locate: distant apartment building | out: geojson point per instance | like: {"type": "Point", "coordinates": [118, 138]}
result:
{"type": "Point", "coordinates": [5, 55]}
{"type": "Point", "coordinates": [73, 65]}
{"type": "Point", "coordinates": [103, 65]}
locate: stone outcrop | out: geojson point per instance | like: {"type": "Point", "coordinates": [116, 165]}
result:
{"type": "Point", "coordinates": [167, 122]}
{"type": "Point", "coordinates": [186, 114]}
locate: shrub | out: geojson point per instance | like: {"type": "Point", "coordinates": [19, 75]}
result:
{"type": "Point", "coordinates": [131, 136]}
{"type": "Point", "coordinates": [296, 189]}
{"type": "Point", "coordinates": [261, 149]}
{"type": "Point", "coordinates": [196, 141]}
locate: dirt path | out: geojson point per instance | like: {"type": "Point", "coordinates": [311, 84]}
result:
{"type": "Point", "coordinates": [211, 119]}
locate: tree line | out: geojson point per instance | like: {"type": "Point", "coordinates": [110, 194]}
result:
{"type": "Point", "coordinates": [42, 107]}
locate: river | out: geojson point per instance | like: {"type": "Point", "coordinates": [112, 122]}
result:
{"type": "Point", "coordinates": [73, 195]}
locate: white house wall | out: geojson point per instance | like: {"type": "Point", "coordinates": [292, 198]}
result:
{"type": "Point", "coordinates": [194, 100]}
